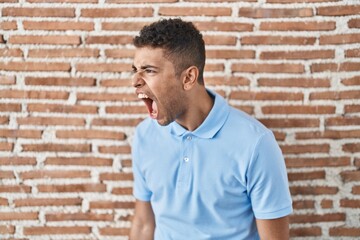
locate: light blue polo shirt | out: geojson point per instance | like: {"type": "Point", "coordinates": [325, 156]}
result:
{"type": "Point", "coordinates": [213, 182]}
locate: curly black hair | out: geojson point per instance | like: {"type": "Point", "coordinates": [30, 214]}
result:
{"type": "Point", "coordinates": [182, 42]}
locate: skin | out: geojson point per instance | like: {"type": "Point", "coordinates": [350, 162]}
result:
{"type": "Point", "coordinates": [187, 102]}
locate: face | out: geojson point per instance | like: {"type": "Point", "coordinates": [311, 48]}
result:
{"type": "Point", "coordinates": [156, 84]}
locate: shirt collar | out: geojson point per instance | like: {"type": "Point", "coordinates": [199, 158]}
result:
{"type": "Point", "coordinates": [212, 123]}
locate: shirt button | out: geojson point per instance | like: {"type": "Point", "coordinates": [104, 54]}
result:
{"type": "Point", "coordinates": [186, 159]}
{"type": "Point", "coordinates": [188, 138]}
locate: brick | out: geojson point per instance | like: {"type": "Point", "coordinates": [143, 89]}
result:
{"type": "Point", "coordinates": [107, 97]}
{"type": "Point", "coordinates": [35, 174]}
{"type": "Point", "coordinates": [230, 54]}
{"type": "Point", "coordinates": [314, 54]}
{"type": "Point", "coordinates": [11, 94]}
{"type": "Point", "coordinates": [123, 26]}
{"type": "Point", "coordinates": [301, 176]}
{"type": "Point", "coordinates": [335, 95]}
{"type": "Point", "coordinates": [338, 10]}
{"type": "Point", "coordinates": [7, 175]}
{"type": "Point", "coordinates": [351, 147]}
{"type": "Point", "coordinates": [313, 218]}
{"type": "Point", "coordinates": [312, 190]}
{"type": "Point", "coordinates": [350, 176]}
{"type": "Point", "coordinates": [350, 203]}
{"type": "Point", "coordinates": [116, 122]}
{"type": "Point", "coordinates": [122, 191]}
{"type": "Point", "coordinates": [195, 11]}
{"type": "Point", "coordinates": [111, 205]}
{"type": "Point", "coordinates": [96, 187]}
{"type": "Point", "coordinates": [49, 121]}
{"type": "Point", "coordinates": [317, 162]}
{"type": "Point", "coordinates": [111, 231]}
{"type": "Point", "coordinates": [304, 204]}
{"type": "Point", "coordinates": [269, 96]}
{"type": "Point", "coordinates": [11, 52]}
{"type": "Point", "coordinates": [7, 229]}
{"type": "Point", "coordinates": [4, 202]}
{"type": "Point", "coordinates": [117, 12]}
{"type": "Point", "coordinates": [344, 231]}
{"type": "Point", "coordinates": [339, 39]}
{"type": "Point", "coordinates": [277, 40]}
{"type": "Point", "coordinates": [79, 161]}
{"type": "Point", "coordinates": [47, 202]}
{"type": "Point", "coordinates": [14, 161]}
{"type": "Point", "coordinates": [5, 146]}
{"type": "Point", "coordinates": [116, 176]}
{"type": "Point", "coordinates": [58, 26]}
{"type": "Point", "coordinates": [79, 216]}
{"type": "Point", "coordinates": [7, 80]}
{"type": "Point", "coordinates": [15, 189]}
{"type": "Point", "coordinates": [126, 163]}
{"type": "Point", "coordinates": [298, 26]}
{"type": "Point", "coordinates": [126, 109]}
{"type": "Point", "coordinates": [35, 66]}
{"type": "Point", "coordinates": [355, 190]}
{"type": "Point", "coordinates": [216, 1]}
{"type": "Point", "coordinates": [329, 134]}
{"type": "Point", "coordinates": [115, 82]}
{"type": "Point", "coordinates": [290, 122]}
{"type": "Point", "coordinates": [57, 81]}
{"type": "Point", "coordinates": [224, 26]}
{"type": "Point", "coordinates": [351, 81]}
{"type": "Point", "coordinates": [10, 107]}
{"type": "Point", "coordinates": [342, 121]}
{"type": "Point", "coordinates": [352, 53]}
{"type": "Point", "coordinates": [119, 53]}
{"type": "Point", "coordinates": [103, 67]}
{"type": "Point", "coordinates": [115, 149]}
{"type": "Point", "coordinates": [300, 1]}
{"type": "Point", "coordinates": [38, 12]}
{"type": "Point", "coordinates": [294, 82]}
{"type": "Point", "coordinates": [214, 67]}
{"type": "Point", "coordinates": [113, 39]}
{"type": "Point", "coordinates": [90, 134]}
{"type": "Point", "coordinates": [268, 68]}
{"type": "Point", "coordinates": [354, 23]}
{"type": "Point", "coordinates": [8, 25]}
{"type": "Point", "coordinates": [228, 81]}
{"type": "Point", "coordinates": [58, 108]}
{"type": "Point", "coordinates": [279, 136]}
{"type": "Point", "coordinates": [275, 12]}
{"type": "Point", "coordinates": [305, 148]}
{"type": "Point", "coordinates": [20, 133]}
{"type": "Point", "coordinates": [4, 120]}
{"type": "Point", "coordinates": [326, 204]}
{"type": "Point", "coordinates": [305, 232]}
{"type": "Point", "coordinates": [62, 1]}
{"type": "Point", "coordinates": [56, 147]}
{"type": "Point", "coordinates": [56, 230]}
{"type": "Point", "coordinates": [53, 39]}
{"type": "Point", "coordinates": [18, 216]}
{"type": "Point", "coordinates": [335, 67]}
{"type": "Point", "coordinates": [64, 53]}
{"type": "Point", "coordinates": [220, 40]}
{"type": "Point", "coordinates": [248, 109]}
{"type": "Point", "coordinates": [352, 108]}
{"type": "Point", "coordinates": [141, 1]}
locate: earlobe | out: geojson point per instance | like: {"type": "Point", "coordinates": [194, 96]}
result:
{"type": "Point", "coordinates": [190, 78]}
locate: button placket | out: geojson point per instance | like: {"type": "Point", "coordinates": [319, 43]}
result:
{"type": "Point", "coordinates": [185, 165]}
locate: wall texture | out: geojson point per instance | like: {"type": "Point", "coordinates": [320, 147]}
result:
{"type": "Point", "coordinates": [67, 111]}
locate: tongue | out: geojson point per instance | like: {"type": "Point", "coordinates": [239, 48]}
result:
{"type": "Point", "coordinates": [154, 112]}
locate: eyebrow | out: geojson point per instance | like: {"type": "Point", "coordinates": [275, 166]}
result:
{"type": "Point", "coordinates": [144, 67]}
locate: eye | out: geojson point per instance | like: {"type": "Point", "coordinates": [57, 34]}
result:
{"type": "Point", "coordinates": [149, 70]}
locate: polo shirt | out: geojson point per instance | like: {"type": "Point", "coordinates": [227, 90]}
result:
{"type": "Point", "coordinates": [213, 182]}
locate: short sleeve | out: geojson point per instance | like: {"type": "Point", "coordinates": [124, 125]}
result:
{"type": "Point", "coordinates": [267, 181]}
{"type": "Point", "coordinates": [140, 189]}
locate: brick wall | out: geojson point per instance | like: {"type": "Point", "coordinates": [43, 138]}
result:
{"type": "Point", "coordinates": [67, 111]}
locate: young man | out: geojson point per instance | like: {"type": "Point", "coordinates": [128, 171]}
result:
{"type": "Point", "coordinates": [202, 169]}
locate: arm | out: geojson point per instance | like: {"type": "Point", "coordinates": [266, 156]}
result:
{"type": "Point", "coordinates": [143, 223]}
{"type": "Point", "coordinates": [273, 229]}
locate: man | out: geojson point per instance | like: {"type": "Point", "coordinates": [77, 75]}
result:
{"type": "Point", "coordinates": [202, 169]}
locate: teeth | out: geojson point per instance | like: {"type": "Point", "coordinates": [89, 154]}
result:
{"type": "Point", "coordinates": [142, 95]}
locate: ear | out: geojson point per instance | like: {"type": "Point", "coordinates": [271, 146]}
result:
{"type": "Point", "coordinates": [190, 77]}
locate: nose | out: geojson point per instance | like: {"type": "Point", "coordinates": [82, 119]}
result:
{"type": "Point", "coordinates": [137, 80]}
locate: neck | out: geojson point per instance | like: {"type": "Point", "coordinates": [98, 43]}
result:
{"type": "Point", "coordinates": [200, 104]}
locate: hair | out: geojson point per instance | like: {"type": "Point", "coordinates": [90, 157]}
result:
{"type": "Point", "coordinates": [182, 43]}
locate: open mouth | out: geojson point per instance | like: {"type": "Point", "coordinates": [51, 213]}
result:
{"type": "Point", "coordinates": [150, 104]}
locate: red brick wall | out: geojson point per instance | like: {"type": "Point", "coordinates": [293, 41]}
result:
{"type": "Point", "coordinates": [67, 111]}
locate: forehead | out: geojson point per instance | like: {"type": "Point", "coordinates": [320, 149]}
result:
{"type": "Point", "coordinates": [150, 56]}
